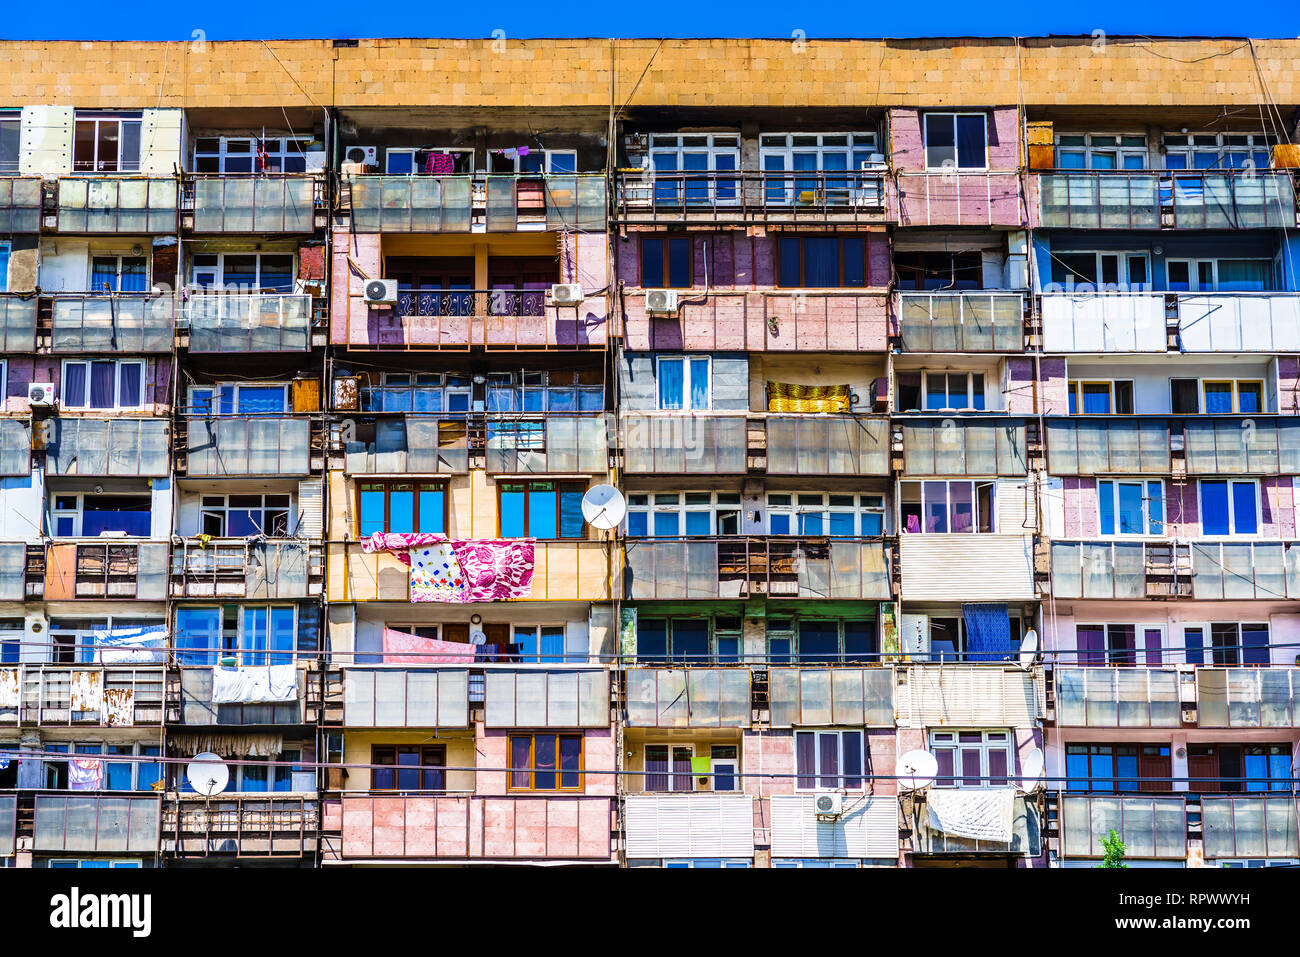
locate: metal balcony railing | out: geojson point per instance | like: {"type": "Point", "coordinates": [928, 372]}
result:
{"type": "Point", "coordinates": [1211, 445]}
{"type": "Point", "coordinates": [1207, 570]}
{"type": "Point", "coordinates": [1150, 827]}
{"type": "Point", "coordinates": [269, 826]}
{"type": "Point", "coordinates": [253, 202]}
{"type": "Point", "coordinates": [751, 196]}
{"type": "Point", "coordinates": [117, 204]}
{"type": "Point", "coordinates": [247, 568]}
{"type": "Point", "coordinates": [20, 204]}
{"type": "Point", "coordinates": [125, 322]}
{"type": "Point", "coordinates": [86, 695]}
{"type": "Point", "coordinates": [101, 822]}
{"type": "Point", "coordinates": [94, 446]}
{"type": "Point", "coordinates": [105, 568]}
{"type": "Point", "coordinates": [18, 322]}
{"type": "Point", "coordinates": [961, 321]}
{"type": "Point", "coordinates": [249, 322]}
{"type": "Point", "coordinates": [952, 197]}
{"type": "Point", "coordinates": [248, 445]}
{"type": "Point", "coordinates": [458, 203]}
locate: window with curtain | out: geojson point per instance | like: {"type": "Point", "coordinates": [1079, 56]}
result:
{"type": "Point", "coordinates": [103, 384]}
{"type": "Point", "coordinates": [666, 263]}
{"type": "Point", "coordinates": [540, 644]}
{"type": "Point", "coordinates": [118, 274]}
{"type": "Point", "coordinates": [941, 507]}
{"type": "Point", "coordinates": [956, 141]}
{"type": "Point", "coordinates": [546, 762]}
{"type": "Point", "coordinates": [683, 383]}
{"type": "Point", "coordinates": [830, 760]}
{"type": "Point", "coordinates": [401, 507]}
{"type": "Point", "coordinates": [973, 759]}
{"type": "Point", "coordinates": [238, 398]}
{"type": "Point", "coordinates": [688, 640]}
{"type": "Point", "coordinates": [244, 272]}
{"type": "Point", "coordinates": [254, 635]}
{"type": "Point", "coordinates": [668, 767]}
{"type": "Point", "coordinates": [1229, 507]}
{"type": "Point", "coordinates": [1105, 397]}
{"type": "Point", "coordinates": [821, 262]}
{"type": "Point", "coordinates": [542, 509]}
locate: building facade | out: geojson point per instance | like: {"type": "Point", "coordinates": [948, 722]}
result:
{"type": "Point", "coordinates": [948, 388]}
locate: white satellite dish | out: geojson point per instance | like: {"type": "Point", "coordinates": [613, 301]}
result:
{"type": "Point", "coordinates": [603, 506]}
{"type": "Point", "coordinates": [1029, 649]}
{"type": "Point", "coordinates": [207, 774]}
{"type": "Point", "coordinates": [917, 769]}
{"type": "Point", "coordinates": [1032, 770]}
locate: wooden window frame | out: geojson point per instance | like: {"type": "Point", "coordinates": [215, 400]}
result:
{"type": "Point", "coordinates": [388, 484]}
{"type": "Point", "coordinates": [664, 239]}
{"type": "Point", "coordinates": [561, 486]}
{"type": "Point", "coordinates": [440, 750]}
{"type": "Point", "coordinates": [532, 763]}
{"type": "Point", "coordinates": [801, 239]}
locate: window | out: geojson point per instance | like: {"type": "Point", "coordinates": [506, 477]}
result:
{"type": "Point", "coordinates": [941, 391]}
{"type": "Point", "coordinates": [542, 509]}
{"type": "Point", "coordinates": [939, 507]}
{"type": "Point", "coordinates": [418, 392]}
{"type": "Point", "coordinates": [821, 641]}
{"type": "Point", "coordinates": [5, 247]}
{"type": "Point", "coordinates": [72, 640]}
{"type": "Point", "coordinates": [11, 639]}
{"type": "Point", "coordinates": [1235, 768]}
{"type": "Point", "coordinates": [1101, 397]}
{"type": "Point", "coordinates": [1118, 767]}
{"type": "Point", "coordinates": [695, 863]}
{"type": "Point", "coordinates": [666, 263]}
{"type": "Point", "coordinates": [103, 384]}
{"type": "Point", "coordinates": [254, 635]}
{"type": "Point", "coordinates": [677, 157]}
{"type": "Point", "coordinates": [955, 141]}
{"type": "Point", "coordinates": [542, 644]}
{"type": "Point", "coordinates": [1221, 151]}
{"type": "Point", "coordinates": [1101, 151]}
{"type": "Point", "coordinates": [668, 767]}
{"type": "Point", "coordinates": [248, 154]}
{"type": "Point", "coordinates": [1219, 275]}
{"type": "Point", "coordinates": [830, 760]}
{"type": "Point", "coordinates": [239, 398]}
{"type": "Point", "coordinates": [694, 640]}
{"type": "Point", "coordinates": [119, 274]}
{"type": "Point", "coordinates": [819, 514]}
{"type": "Point", "coordinates": [95, 863]}
{"type": "Point", "coordinates": [533, 161]}
{"type": "Point", "coordinates": [545, 762]}
{"type": "Point", "coordinates": [972, 759]}
{"type": "Point", "coordinates": [11, 122]}
{"type": "Point", "coordinates": [237, 516]}
{"type": "Point", "coordinates": [243, 272]}
{"type": "Point", "coordinates": [409, 768]}
{"type": "Point", "coordinates": [1097, 270]}
{"type": "Point", "coordinates": [106, 143]}
{"type": "Point", "coordinates": [1131, 508]}
{"type": "Point", "coordinates": [555, 391]}
{"type": "Point", "coordinates": [683, 382]}
{"type": "Point", "coordinates": [258, 775]}
{"type": "Point", "coordinates": [724, 763]}
{"type": "Point", "coordinates": [939, 271]}
{"type": "Point", "coordinates": [1229, 507]}
{"type": "Point", "coordinates": [1117, 644]}
{"type": "Point", "coordinates": [401, 507]}
{"type": "Point", "coordinates": [89, 515]}
{"type": "Point", "coordinates": [123, 775]}
{"type": "Point", "coordinates": [811, 153]}
{"type": "Point", "coordinates": [1216, 396]}
{"type": "Point", "coordinates": [821, 262]}
{"type": "Point", "coordinates": [404, 161]}
{"type": "Point", "coordinates": [1231, 643]}
{"type": "Point", "coordinates": [671, 514]}
{"type": "Point", "coordinates": [948, 638]}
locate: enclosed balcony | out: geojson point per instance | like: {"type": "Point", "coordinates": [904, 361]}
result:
{"type": "Point", "coordinates": [1152, 828]}
{"type": "Point", "coordinates": [18, 322]}
{"type": "Point", "coordinates": [769, 320]}
{"type": "Point", "coordinates": [1117, 697]}
{"type": "Point", "coordinates": [118, 322]}
{"type": "Point", "coordinates": [699, 825]}
{"type": "Point", "coordinates": [249, 445]}
{"type": "Point", "coordinates": [968, 695]}
{"type": "Point", "coordinates": [1255, 826]}
{"type": "Point", "coordinates": [86, 695]}
{"type": "Point", "coordinates": [88, 446]}
{"type": "Point", "coordinates": [959, 198]}
{"type": "Point", "coordinates": [839, 696]}
{"type": "Point", "coordinates": [1202, 570]}
{"type": "Point", "coordinates": [751, 197]}
{"type": "Point", "coordinates": [967, 567]}
{"type": "Point", "coordinates": [960, 321]}
{"type": "Point", "coordinates": [417, 444]}
{"type": "Point", "coordinates": [195, 699]}
{"type": "Point", "coordinates": [1266, 322]}
{"type": "Point", "coordinates": [99, 568]}
{"type": "Point", "coordinates": [465, 203]}
{"type": "Point", "coordinates": [1177, 199]}
{"type": "Point", "coordinates": [963, 445]}
{"type": "Point", "coordinates": [117, 204]}
{"type": "Point", "coordinates": [95, 824]}
{"type": "Point", "coordinates": [405, 697]}
{"type": "Point", "coordinates": [1103, 322]}
{"type": "Point", "coordinates": [19, 579]}
{"type": "Point", "coordinates": [1026, 833]}
{"type": "Point", "coordinates": [688, 698]}
{"type": "Point", "coordinates": [20, 205]}
{"type": "Point", "coordinates": [246, 568]}
{"type": "Point", "coordinates": [254, 203]}
{"type": "Point", "coordinates": [1211, 445]}
{"type": "Point", "coordinates": [253, 322]}
{"type": "Point", "coordinates": [519, 444]}
{"type": "Point", "coordinates": [269, 827]}
{"type": "Point", "coordinates": [745, 566]}
{"type": "Point", "coordinates": [867, 830]}
{"type": "Point", "coordinates": [1248, 697]}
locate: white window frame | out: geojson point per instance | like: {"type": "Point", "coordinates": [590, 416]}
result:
{"type": "Point", "coordinates": [105, 758]}
{"type": "Point", "coordinates": [857, 142]}
{"type": "Point", "coordinates": [714, 145]}
{"type": "Point", "coordinates": [4, 378]}
{"type": "Point", "coordinates": [949, 738]}
{"type": "Point", "coordinates": [80, 637]}
{"type": "Point", "coordinates": [732, 765]}
{"type": "Point", "coordinates": [651, 504]}
{"type": "Point", "coordinates": [1115, 483]}
{"type": "Point", "coordinates": [1230, 481]}
{"type": "Point", "coordinates": [975, 484]}
{"type": "Point", "coordinates": [1194, 282]}
{"type": "Point", "coordinates": [410, 151]}
{"type": "Point", "coordinates": [77, 513]}
{"type": "Point", "coordinates": [687, 360]}
{"type": "Point", "coordinates": [218, 271]}
{"type": "Point", "coordinates": [1099, 143]}
{"type": "Point", "coordinates": [672, 746]}
{"type": "Point", "coordinates": [969, 401]}
{"type": "Point", "coordinates": [215, 388]}
{"type": "Point", "coordinates": [799, 504]}
{"type": "Point", "coordinates": [223, 510]}
{"type": "Point", "coordinates": [1123, 269]}
{"type": "Point", "coordinates": [117, 273]}
{"type": "Point", "coordinates": [83, 402]}
{"type": "Point", "coordinates": [1075, 387]}
{"type": "Point", "coordinates": [953, 114]}
{"type": "Point", "coordinates": [101, 119]}
{"type": "Point", "coordinates": [1222, 148]}
{"type": "Point", "coordinates": [277, 149]}
{"type": "Point", "coordinates": [864, 760]}
{"type": "Point", "coordinates": [495, 156]}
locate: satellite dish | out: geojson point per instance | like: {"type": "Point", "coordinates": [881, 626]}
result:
{"type": "Point", "coordinates": [207, 774]}
{"type": "Point", "coordinates": [917, 769]}
{"type": "Point", "coordinates": [603, 506]}
{"type": "Point", "coordinates": [1029, 649]}
{"type": "Point", "coordinates": [1032, 770]}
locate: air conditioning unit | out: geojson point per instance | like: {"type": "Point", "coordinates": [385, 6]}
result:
{"type": "Point", "coordinates": [828, 806]}
{"type": "Point", "coordinates": [380, 291]}
{"type": "Point", "coordinates": [361, 154]}
{"type": "Point", "coordinates": [41, 394]}
{"type": "Point", "coordinates": [566, 294]}
{"type": "Point", "coordinates": [661, 302]}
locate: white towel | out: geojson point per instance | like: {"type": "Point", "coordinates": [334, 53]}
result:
{"type": "Point", "coordinates": [254, 684]}
{"type": "Point", "coordinates": [981, 814]}
{"type": "Point", "coordinates": [10, 693]}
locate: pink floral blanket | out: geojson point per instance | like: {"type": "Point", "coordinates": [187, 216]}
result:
{"type": "Point", "coordinates": [460, 571]}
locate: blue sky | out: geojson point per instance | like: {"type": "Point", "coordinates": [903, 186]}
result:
{"type": "Point", "coordinates": [84, 20]}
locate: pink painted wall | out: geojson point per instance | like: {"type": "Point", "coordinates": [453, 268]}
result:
{"type": "Point", "coordinates": [1047, 396]}
{"type": "Point", "coordinates": [598, 755]}
{"type": "Point", "coordinates": [1288, 385]}
{"type": "Point", "coordinates": [24, 370]}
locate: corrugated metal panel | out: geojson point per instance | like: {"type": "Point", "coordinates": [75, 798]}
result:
{"type": "Point", "coordinates": [967, 567]}
{"type": "Point", "coordinates": [310, 501]}
{"type": "Point", "coordinates": [868, 828]}
{"type": "Point", "coordinates": [968, 695]}
{"type": "Point", "coordinates": [1016, 513]}
{"type": "Point", "coordinates": [689, 825]}
{"type": "Point", "coordinates": [1090, 322]}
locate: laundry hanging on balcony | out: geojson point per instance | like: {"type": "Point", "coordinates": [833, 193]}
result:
{"type": "Point", "coordinates": [119, 708]}
{"type": "Point", "coordinates": [988, 631]}
{"type": "Point", "coordinates": [249, 685]}
{"type": "Point", "coordinates": [789, 397]}
{"type": "Point", "coordinates": [87, 691]}
{"type": "Point", "coordinates": [146, 643]}
{"type": "Point", "coordinates": [460, 571]}
{"type": "Point", "coordinates": [85, 774]}
{"type": "Point", "coordinates": [981, 814]}
{"type": "Point", "coordinates": [230, 745]}
{"type": "Point", "coordinates": [402, 648]}
{"type": "Point", "coordinates": [10, 688]}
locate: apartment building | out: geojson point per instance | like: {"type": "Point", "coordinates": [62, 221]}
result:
{"type": "Point", "coordinates": [948, 401]}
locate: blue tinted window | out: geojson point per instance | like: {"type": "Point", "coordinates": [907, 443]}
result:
{"type": "Point", "coordinates": [1214, 508]}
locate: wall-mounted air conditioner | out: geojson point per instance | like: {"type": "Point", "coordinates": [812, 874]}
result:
{"type": "Point", "coordinates": [361, 154]}
{"type": "Point", "coordinates": [40, 394]}
{"type": "Point", "coordinates": [380, 291]}
{"type": "Point", "coordinates": [566, 294]}
{"type": "Point", "coordinates": [661, 302]}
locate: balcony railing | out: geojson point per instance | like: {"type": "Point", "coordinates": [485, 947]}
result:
{"type": "Point", "coordinates": [1240, 322]}
{"type": "Point", "coordinates": [1248, 697]}
{"type": "Point", "coordinates": [1214, 445]}
{"type": "Point", "coordinates": [405, 697]}
{"type": "Point", "coordinates": [964, 445]}
{"type": "Point", "coordinates": [839, 696]}
{"type": "Point", "coordinates": [968, 567]}
{"type": "Point", "coordinates": [20, 204]}
{"type": "Point", "coordinates": [1200, 199]}
{"type": "Point", "coordinates": [115, 322]}
{"type": "Point", "coordinates": [18, 581]}
{"type": "Point", "coordinates": [1026, 833]}
{"type": "Point", "coordinates": [415, 444]}
{"type": "Point", "coordinates": [751, 196]}
{"type": "Point", "coordinates": [669, 444]}
{"type": "Point", "coordinates": [562, 571]}
{"type": "Point", "coordinates": [691, 825]}
{"type": "Point", "coordinates": [244, 568]}
{"type": "Point", "coordinates": [744, 566]}
{"type": "Point", "coordinates": [273, 826]}
{"type": "Point", "coordinates": [95, 823]}
{"type": "Point", "coordinates": [1103, 322]}
{"type": "Point", "coordinates": [476, 827]}
{"type": "Point", "coordinates": [118, 204]}
{"type": "Point", "coordinates": [988, 694]}
{"type": "Point", "coordinates": [551, 697]}
{"type": "Point", "coordinates": [253, 322]}
{"type": "Point", "coordinates": [960, 198]}
{"type": "Point", "coordinates": [554, 443]}
{"type": "Point", "coordinates": [248, 445]}
{"type": "Point", "coordinates": [104, 568]}
{"type": "Point", "coordinates": [688, 698]}
{"type": "Point", "coordinates": [1153, 828]}
{"type": "Point", "coordinates": [960, 321]}
{"type": "Point", "coordinates": [461, 203]}
{"type": "Point", "coordinates": [82, 445]}
{"type": "Point", "coordinates": [770, 320]}
{"type": "Point", "coordinates": [1117, 697]}
{"type": "Point", "coordinates": [254, 203]}
{"type": "Point", "coordinates": [17, 322]}
{"type": "Point", "coordinates": [191, 700]}
{"type": "Point", "coordinates": [15, 446]}
{"type": "Point", "coordinates": [1203, 570]}
{"type": "Point", "coordinates": [1255, 826]}
{"type": "Point", "coordinates": [8, 825]}
{"type": "Point", "coordinates": [87, 695]}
